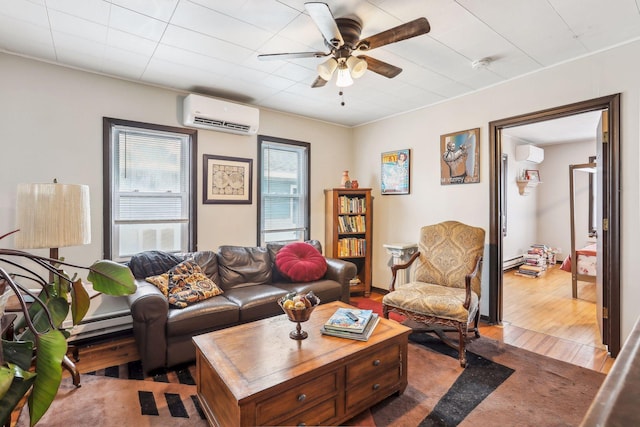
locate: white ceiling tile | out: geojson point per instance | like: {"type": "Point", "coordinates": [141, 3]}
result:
{"type": "Point", "coordinates": [92, 10]}
{"type": "Point", "coordinates": [120, 40]}
{"type": "Point", "coordinates": [135, 23]}
{"type": "Point", "coordinates": [124, 62]}
{"type": "Point", "coordinates": [269, 15]}
{"type": "Point", "coordinates": [206, 45]}
{"type": "Point", "coordinates": [200, 19]}
{"type": "Point", "coordinates": [530, 26]}
{"type": "Point", "coordinates": [65, 42]}
{"type": "Point", "coordinates": [26, 38]}
{"type": "Point", "coordinates": [79, 27]}
{"type": "Point", "coordinates": [158, 9]}
{"type": "Point", "coordinates": [25, 11]}
{"type": "Point", "coordinates": [590, 20]}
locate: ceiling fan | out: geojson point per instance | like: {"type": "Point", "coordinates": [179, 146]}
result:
{"type": "Point", "coordinates": [342, 37]}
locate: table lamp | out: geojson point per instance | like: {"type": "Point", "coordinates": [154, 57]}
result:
{"type": "Point", "coordinates": [52, 216]}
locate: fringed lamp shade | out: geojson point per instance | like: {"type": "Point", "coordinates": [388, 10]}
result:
{"type": "Point", "coordinates": [52, 216]}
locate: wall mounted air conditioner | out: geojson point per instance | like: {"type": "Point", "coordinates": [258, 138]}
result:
{"type": "Point", "coordinates": [214, 114]}
{"type": "Point", "coordinates": [529, 153]}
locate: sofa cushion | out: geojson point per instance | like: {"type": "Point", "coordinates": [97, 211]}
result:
{"type": "Point", "coordinates": [256, 302]}
{"type": "Point", "coordinates": [185, 284]}
{"type": "Point", "coordinates": [152, 263]}
{"type": "Point", "coordinates": [240, 266]}
{"type": "Point", "coordinates": [301, 262]}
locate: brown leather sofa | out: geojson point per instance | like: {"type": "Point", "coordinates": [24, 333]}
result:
{"type": "Point", "coordinates": [251, 287]}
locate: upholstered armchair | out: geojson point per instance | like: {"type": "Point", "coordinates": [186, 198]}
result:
{"type": "Point", "coordinates": [444, 293]}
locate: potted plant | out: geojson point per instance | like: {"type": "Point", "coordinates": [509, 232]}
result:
{"type": "Point", "coordinates": [43, 343]}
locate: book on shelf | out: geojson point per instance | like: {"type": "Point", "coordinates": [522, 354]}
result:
{"type": "Point", "coordinates": [349, 320]}
{"type": "Point", "coordinates": [359, 336]}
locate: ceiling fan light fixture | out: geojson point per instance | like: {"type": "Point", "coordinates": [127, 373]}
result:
{"type": "Point", "coordinates": [326, 69]}
{"type": "Point", "coordinates": [343, 79]}
{"type": "Point", "coordinates": [357, 66]}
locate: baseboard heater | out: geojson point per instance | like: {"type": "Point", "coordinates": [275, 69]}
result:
{"type": "Point", "coordinates": [100, 325]}
{"type": "Point", "coordinates": [512, 262]}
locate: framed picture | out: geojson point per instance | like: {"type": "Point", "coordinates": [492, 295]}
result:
{"type": "Point", "coordinates": [227, 180]}
{"type": "Point", "coordinates": [395, 172]}
{"type": "Point", "coordinates": [532, 175]}
{"type": "Point", "coordinates": [460, 157]}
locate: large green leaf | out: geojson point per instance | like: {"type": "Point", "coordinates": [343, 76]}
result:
{"type": "Point", "coordinates": [80, 302]}
{"type": "Point", "coordinates": [52, 346]}
{"type": "Point", "coordinates": [16, 392]}
{"type": "Point", "coordinates": [58, 307]}
{"type": "Point", "coordinates": [111, 278]}
{"type": "Point", "coordinates": [18, 352]}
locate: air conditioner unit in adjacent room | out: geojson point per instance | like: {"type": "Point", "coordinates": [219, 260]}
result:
{"type": "Point", "coordinates": [214, 114]}
{"type": "Point", "coordinates": [529, 153]}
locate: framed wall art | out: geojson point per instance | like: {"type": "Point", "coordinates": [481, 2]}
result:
{"type": "Point", "coordinates": [532, 175]}
{"type": "Point", "coordinates": [227, 180]}
{"type": "Point", "coordinates": [395, 172]}
{"type": "Point", "coordinates": [460, 157]}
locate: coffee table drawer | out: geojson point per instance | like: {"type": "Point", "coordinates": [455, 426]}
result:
{"type": "Point", "coordinates": [373, 389]}
{"type": "Point", "coordinates": [373, 365]}
{"type": "Point", "coordinates": [298, 398]}
{"type": "Point", "coordinates": [319, 415]}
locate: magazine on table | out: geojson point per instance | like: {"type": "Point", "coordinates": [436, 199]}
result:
{"type": "Point", "coordinates": [349, 320]}
{"type": "Point", "coordinates": [359, 336]}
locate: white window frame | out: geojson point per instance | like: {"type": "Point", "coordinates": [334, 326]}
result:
{"type": "Point", "coordinates": [112, 128]}
{"type": "Point", "coordinates": [302, 185]}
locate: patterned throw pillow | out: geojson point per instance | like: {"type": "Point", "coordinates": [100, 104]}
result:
{"type": "Point", "coordinates": [301, 262]}
{"type": "Point", "coordinates": [185, 284]}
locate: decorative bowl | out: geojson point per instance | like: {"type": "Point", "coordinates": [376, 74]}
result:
{"type": "Point", "coordinates": [299, 314]}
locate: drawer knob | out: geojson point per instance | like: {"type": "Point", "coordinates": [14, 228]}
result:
{"type": "Point", "coordinates": [376, 386]}
{"type": "Point", "coordinates": [302, 397]}
{"type": "Point", "coordinates": [376, 362]}
{"type": "Point", "coordinates": [302, 424]}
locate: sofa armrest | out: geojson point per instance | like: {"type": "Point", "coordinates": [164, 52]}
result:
{"type": "Point", "coordinates": [342, 272]}
{"type": "Point", "coordinates": [149, 311]}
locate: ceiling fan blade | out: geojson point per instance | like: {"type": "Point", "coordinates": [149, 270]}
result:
{"type": "Point", "coordinates": [401, 32]}
{"type": "Point", "coordinates": [323, 18]}
{"type": "Point", "coordinates": [381, 67]}
{"type": "Point", "coordinates": [318, 82]}
{"type": "Point", "coordinates": [271, 56]}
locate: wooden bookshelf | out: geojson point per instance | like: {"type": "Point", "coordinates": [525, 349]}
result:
{"type": "Point", "coordinates": [349, 231]}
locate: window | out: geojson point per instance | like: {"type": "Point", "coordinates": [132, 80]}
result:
{"type": "Point", "coordinates": [149, 188]}
{"type": "Point", "coordinates": [283, 185]}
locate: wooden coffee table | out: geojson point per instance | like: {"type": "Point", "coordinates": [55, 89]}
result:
{"type": "Point", "coordinates": [254, 374]}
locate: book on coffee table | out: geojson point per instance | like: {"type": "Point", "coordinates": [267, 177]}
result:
{"type": "Point", "coordinates": [360, 336]}
{"type": "Point", "coordinates": [349, 320]}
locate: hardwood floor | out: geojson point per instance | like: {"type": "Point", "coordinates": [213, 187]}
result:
{"type": "Point", "coordinates": [539, 316]}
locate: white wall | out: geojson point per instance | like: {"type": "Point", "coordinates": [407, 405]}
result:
{"type": "Point", "coordinates": [51, 127]}
{"type": "Point", "coordinates": [522, 226]}
{"type": "Point", "coordinates": [398, 218]}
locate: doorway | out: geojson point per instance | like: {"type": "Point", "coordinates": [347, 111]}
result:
{"type": "Point", "coordinates": [610, 210]}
